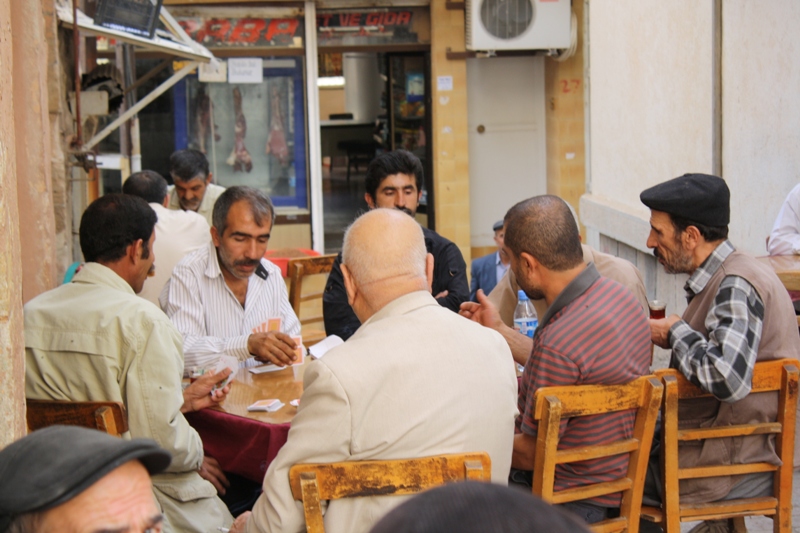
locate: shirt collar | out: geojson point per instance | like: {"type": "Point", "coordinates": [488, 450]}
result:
{"type": "Point", "coordinates": [702, 275]}
{"type": "Point", "coordinates": [97, 274]}
{"type": "Point", "coordinates": [575, 288]}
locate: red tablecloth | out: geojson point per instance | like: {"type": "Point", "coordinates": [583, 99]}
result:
{"type": "Point", "coordinates": [241, 445]}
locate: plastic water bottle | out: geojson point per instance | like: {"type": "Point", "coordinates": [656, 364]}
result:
{"type": "Point", "coordinates": [525, 319]}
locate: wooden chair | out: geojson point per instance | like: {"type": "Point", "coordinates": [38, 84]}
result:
{"type": "Point", "coordinates": [297, 270]}
{"type": "Point", "coordinates": [105, 416]}
{"type": "Point", "coordinates": [312, 483]}
{"type": "Point", "coordinates": [552, 404]}
{"type": "Point", "coordinates": [782, 376]}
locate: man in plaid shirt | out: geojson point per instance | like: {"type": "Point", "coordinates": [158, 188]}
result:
{"type": "Point", "coordinates": [739, 313]}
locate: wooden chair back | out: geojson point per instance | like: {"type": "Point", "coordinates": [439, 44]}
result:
{"type": "Point", "coordinates": [781, 376]}
{"type": "Point", "coordinates": [298, 269]}
{"type": "Point", "coordinates": [109, 417]}
{"type": "Point", "coordinates": [312, 483]}
{"type": "Point", "coordinates": [552, 404]}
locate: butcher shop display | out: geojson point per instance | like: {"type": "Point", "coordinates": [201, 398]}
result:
{"type": "Point", "coordinates": [202, 119]}
{"type": "Point", "coordinates": [276, 142]}
{"type": "Point", "coordinates": [240, 158]}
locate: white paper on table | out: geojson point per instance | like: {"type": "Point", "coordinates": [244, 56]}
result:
{"type": "Point", "coordinates": [324, 346]}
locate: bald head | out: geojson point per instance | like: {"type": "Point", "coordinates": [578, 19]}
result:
{"type": "Point", "coordinates": [385, 257]}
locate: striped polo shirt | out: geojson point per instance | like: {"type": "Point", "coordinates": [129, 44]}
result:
{"type": "Point", "coordinates": [596, 332]}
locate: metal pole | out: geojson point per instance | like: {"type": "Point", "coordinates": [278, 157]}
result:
{"type": "Point", "coordinates": [314, 141]}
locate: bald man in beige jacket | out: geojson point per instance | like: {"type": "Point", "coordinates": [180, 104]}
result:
{"type": "Point", "coordinates": [415, 380]}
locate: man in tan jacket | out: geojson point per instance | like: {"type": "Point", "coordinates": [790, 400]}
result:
{"type": "Point", "coordinates": [415, 380]}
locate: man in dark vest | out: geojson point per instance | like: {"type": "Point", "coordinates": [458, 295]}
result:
{"type": "Point", "coordinates": [738, 314]}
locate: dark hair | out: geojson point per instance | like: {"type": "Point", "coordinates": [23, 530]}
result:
{"type": "Point", "coordinates": [260, 206]}
{"type": "Point", "coordinates": [112, 223]}
{"type": "Point", "coordinates": [389, 164]}
{"type": "Point", "coordinates": [147, 184]}
{"type": "Point", "coordinates": [185, 165]}
{"type": "Point", "coordinates": [543, 226]}
{"type": "Point", "coordinates": [26, 523]}
{"type": "Point", "coordinates": [709, 233]}
{"type": "Point", "coordinates": [475, 507]}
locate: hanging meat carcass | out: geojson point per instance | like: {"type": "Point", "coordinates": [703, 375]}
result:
{"type": "Point", "coordinates": [276, 142]}
{"type": "Point", "coordinates": [202, 117]}
{"type": "Point", "coordinates": [240, 158]}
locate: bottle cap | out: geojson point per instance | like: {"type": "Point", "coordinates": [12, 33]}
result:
{"type": "Point", "coordinates": [521, 295]}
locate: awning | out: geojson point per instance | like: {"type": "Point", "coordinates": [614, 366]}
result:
{"type": "Point", "coordinates": [182, 46]}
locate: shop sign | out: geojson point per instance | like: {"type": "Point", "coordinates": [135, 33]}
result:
{"type": "Point", "coordinates": [365, 27]}
{"type": "Point", "coordinates": [238, 32]}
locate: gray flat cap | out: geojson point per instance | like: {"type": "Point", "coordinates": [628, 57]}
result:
{"type": "Point", "coordinates": [53, 465]}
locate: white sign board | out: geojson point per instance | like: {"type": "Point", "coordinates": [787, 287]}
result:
{"type": "Point", "coordinates": [444, 83]}
{"type": "Point", "coordinates": [245, 70]}
{"type": "Point", "coordinates": [213, 73]}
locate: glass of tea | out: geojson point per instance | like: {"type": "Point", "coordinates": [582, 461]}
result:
{"type": "Point", "coordinates": [658, 309]}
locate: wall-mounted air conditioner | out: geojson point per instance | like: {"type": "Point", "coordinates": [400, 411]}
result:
{"type": "Point", "coordinates": [518, 24]}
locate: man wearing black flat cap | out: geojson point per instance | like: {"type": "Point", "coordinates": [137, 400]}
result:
{"type": "Point", "coordinates": [738, 313]}
{"type": "Point", "coordinates": [73, 480]}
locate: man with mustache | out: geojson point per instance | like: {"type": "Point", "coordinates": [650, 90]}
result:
{"type": "Point", "coordinates": [395, 180]}
{"type": "Point", "coordinates": [221, 295]}
{"type": "Point", "coordinates": [739, 313]}
{"type": "Point", "coordinates": [193, 190]}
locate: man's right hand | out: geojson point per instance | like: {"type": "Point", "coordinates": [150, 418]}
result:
{"type": "Point", "coordinates": [272, 347]}
{"type": "Point", "coordinates": [483, 312]}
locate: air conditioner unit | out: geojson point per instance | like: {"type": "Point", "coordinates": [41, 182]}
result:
{"type": "Point", "coordinates": [518, 24]}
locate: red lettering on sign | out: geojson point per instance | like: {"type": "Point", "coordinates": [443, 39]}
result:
{"type": "Point", "coordinates": [390, 19]}
{"type": "Point", "coordinates": [247, 31]}
{"type": "Point", "coordinates": [373, 19]}
{"type": "Point", "coordinates": [190, 26]}
{"type": "Point", "coordinates": [355, 19]}
{"type": "Point", "coordinates": [281, 27]}
{"type": "Point", "coordinates": [404, 18]}
{"type": "Point", "coordinates": [216, 29]}
{"type": "Point", "coordinates": [343, 19]}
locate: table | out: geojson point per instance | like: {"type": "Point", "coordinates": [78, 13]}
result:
{"type": "Point", "coordinates": [281, 257]}
{"type": "Point", "coordinates": [243, 442]}
{"type": "Point", "coordinates": [787, 267]}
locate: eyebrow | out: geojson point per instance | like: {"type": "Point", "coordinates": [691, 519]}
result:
{"type": "Point", "coordinates": [153, 521]}
{"type": "Point", "coordinates": [243, 234]}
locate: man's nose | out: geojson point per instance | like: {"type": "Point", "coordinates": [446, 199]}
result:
{"type": "Point", "coordinates": [651, 240]}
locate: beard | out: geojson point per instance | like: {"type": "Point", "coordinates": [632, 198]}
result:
{"type": "Point", "coordinates": [679, 263]}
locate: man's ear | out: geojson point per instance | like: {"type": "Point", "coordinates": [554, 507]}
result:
{"type": "Point", "coordinates": [134, 251]}
{"type": "Point", "coordinates": [165, 201]}
{"type": "Point", "coordinates": [690, 238]}
{"type": "Point", "coordinates": [528, 262]}
{"type": "Point", "coordinates": [208, 178]}
{"type": "Point", "coordinates": [429, 271]}
{"type": "Point", "coordinates": [215, 236]}
{"type": "Point", "coordinates": [349, 285]}
{"type": "Point", "coordinates": [370, 200]}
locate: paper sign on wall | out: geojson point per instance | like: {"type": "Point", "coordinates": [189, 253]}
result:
{"type": "Point", "coordinates": [444, 83]}
{"type": "Point", "coordinates": [245, 70]}
{"type": "Point", "coordinates": [213, 73]}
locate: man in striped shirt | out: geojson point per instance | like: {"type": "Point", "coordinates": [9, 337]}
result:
{"type": "Point", "coordinates": [594, 332]}
{"type": "Point", "coordinates": [221, 295]}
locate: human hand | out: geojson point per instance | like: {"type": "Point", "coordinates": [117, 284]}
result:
{"type": "Point", "coordinates": [212, 472]}
{"type": "Point", "coordinates": [240, 523]}
{"type": "Point", "coordinates": [199, 395]}
{"type": "Point", "coordinates": [272, 347]}
{"type": "Point", "coordinates": [659, 330]}
{"type": "Point", "coordinates": [483, 312]}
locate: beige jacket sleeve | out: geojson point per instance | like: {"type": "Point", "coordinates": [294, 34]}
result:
{"type": "Point", "coordinates": [320, 433]}
{"type": "Point", "coordinates": [154, 398]}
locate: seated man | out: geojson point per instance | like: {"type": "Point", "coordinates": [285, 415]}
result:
{"type": "Point", "coordinates": [394, 180]}
{"type": "Point", "coordinates": [739, 313]}
{"type": "Point", "coordinates": [220, 295]}
{"type": "Point", "coordinates": [177, 232]}
{"type": "Point", "coordinates": [497, 309]}
{"type": "Point", "coordinates": [193, 190]}
{"type": "Point", "coordinates": [415, 380]}
{"type": "Point", "coordinates": [74, 480]}
{"type": "Point", "coordinates": [489, 269]}
{"type": "Point", "coordinates": [94, 340]}
{"type": "Point", "coordinates": [594, 332]}
{"type": "Point", "coordinates": [785, 236]}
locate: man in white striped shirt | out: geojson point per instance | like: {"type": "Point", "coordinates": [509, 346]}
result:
{"type": "Point", "coordinates": [219, 295]}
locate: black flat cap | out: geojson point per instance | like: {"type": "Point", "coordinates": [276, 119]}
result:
{"type": "Point", "coordinates": [53, 465]}
{"type": "Point", "coordinates": [497, 225]}
{"type": "Point", "coordinates": [700, 198]}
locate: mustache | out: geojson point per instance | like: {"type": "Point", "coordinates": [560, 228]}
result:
{"type": "Point", "coordinates": [405, 210]}
{"type": "Point", "coordinates": [246, 262]}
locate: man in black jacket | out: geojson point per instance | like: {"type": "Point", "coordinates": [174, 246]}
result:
{"type": "Point", "coordinates": [394, 180]}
